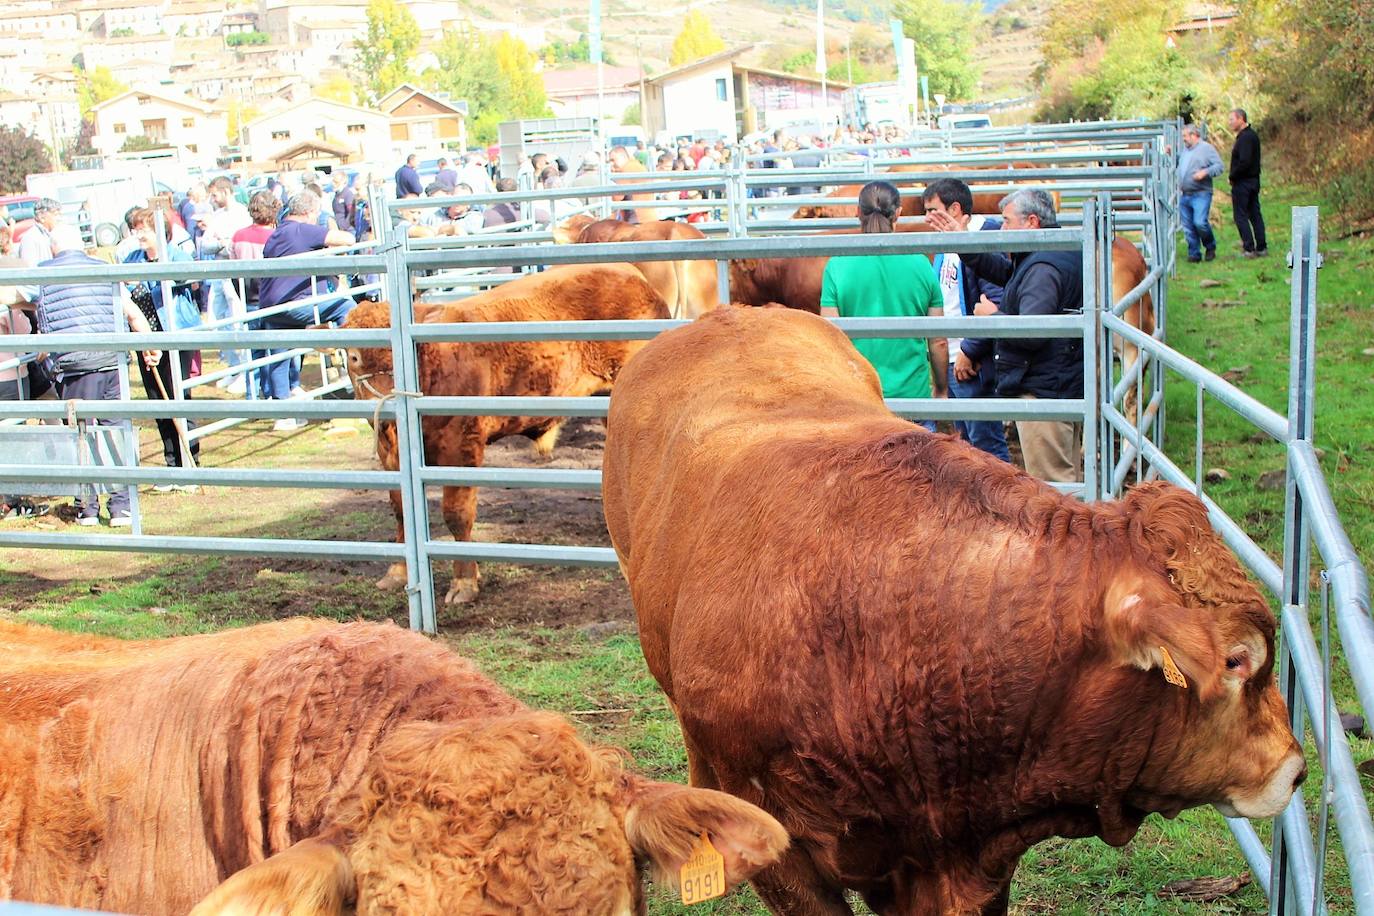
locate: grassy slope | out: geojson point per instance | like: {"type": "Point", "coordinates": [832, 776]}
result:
{"type": "Point", "coordinates": [603, 684]}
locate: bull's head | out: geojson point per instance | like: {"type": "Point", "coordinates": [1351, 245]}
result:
{"type": "Point", "coordinates": [1197, 619]}
{"type": "Point", "coordinates": [503, 815]}
{"type": "Point", "coordinates": [570, 230]}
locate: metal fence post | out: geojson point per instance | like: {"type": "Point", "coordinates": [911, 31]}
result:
{"type": "Point", "coordinates": [1302, 259]}
{"type": "Point", "coordinates": [409, 436]}
{"type": "Point", "coordinates": [1092, 329]}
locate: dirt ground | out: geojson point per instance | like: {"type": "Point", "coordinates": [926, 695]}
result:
{"type": "Point", "coordinates": [524, 596]}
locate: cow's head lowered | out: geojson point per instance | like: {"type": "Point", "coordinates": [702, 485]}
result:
{"type": "Point", "coordinates": [502, 815]}
{"type": "Point", "coordinates": [370, 368]}
{"type": "Point", "coordinates": [1185, 607]}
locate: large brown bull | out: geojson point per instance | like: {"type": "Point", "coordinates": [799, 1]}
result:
{"type": "Point", "coordinates": [920, 659]}
{"type": "Point", "coordinates": [689, 287]}
{"type": "Point", "coordinates": [309, 768]}
{"type": "Point", "coordinates": [512, 368]}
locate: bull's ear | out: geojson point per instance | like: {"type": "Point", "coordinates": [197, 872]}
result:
{"type": "Point", "coordinates": [565, 233]}
{"type": "Point", "coordinates": [664, 821]}
{"type": "Point", "coordinates": [312, 878]}
{"type": "Point", "coordinates": [1169, 637]}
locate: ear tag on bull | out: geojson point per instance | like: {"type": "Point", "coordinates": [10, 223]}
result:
{"type": "Point", "coordinates": [1171, 672]}
{"type": "Point", "coordinates": [702, 876]}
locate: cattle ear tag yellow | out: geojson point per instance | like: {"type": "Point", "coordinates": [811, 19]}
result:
{"type": "Point", "coordinates": [702, 876]}
{"type": "Point", "coordinates": [1171, 672]}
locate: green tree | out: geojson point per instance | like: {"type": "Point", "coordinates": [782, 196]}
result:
{"type": "Point", "coordinates": [495, 74]}
{"type": "Point", "coordinates": [632, 115]}
{"type": "Point", "coordinates": [696, 40]}
{"type": "Point", "coordinates": [21, 155]}
{"type": "Point", "coordinates": [95, 86]}
{"type": "Point", "coordinates": [239, 39]}
{"type": "Point", "coordinates": [943, 31]}
{"type": "Point", "coordinates": [383, 60]}
{"type": "Point", "coordinates": [80, 145]}
{"type": "Point", "coordinates": [138, 143]}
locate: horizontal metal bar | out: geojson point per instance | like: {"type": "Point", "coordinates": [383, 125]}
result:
{"type": "Point", "coordinates": [989, 408]}
{"type": "Point", "coordinates": [207, 340]}
{"type": "Point", "coordinates": [511, 478]}
{"type": "Point", "coordinates": [223, 547]}
{"type": "Point", "coordinates": [726, 249]}
{"type": "Point", "coordinates": [1267, 420]}
{"type": "Point", "coordinates": [538, 554]}
{"type": "Point", "coordinates": [1138, 291]}
{"type": "Point", "coordinates": [194, 270]}
{"type": "Point", "coordinates": [216, 409]}
{"type": "Point", "coordinates": [206, 477]}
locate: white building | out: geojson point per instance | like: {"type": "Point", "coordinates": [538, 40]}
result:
{"type": "Point", "coordinates": [694, 99]}
{"type": "Point", "coordinates": [141, 17]}
{"type": "Point", "coordinates": [53, 120]}
{"type": "Point", "coordinates": [194, 18]}
{"type": "Point", "coordinates": [193, 128]}
{"type": "Point", "coordinates": [279, 18]}
{"type": "Point", "coordinates": [112, 52]}
{"type": "Point", "coordinates": [40, 23]}
{"type": "Point", "coordinates": [572, 93]}
{"type": "Point", "coordinates": [363, 132]}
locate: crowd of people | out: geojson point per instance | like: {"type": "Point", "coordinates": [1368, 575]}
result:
{"type": "Point", "coordinates": [298, 213]}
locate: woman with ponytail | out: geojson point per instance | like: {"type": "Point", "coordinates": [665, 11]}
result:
{"type": "Point", "coordinates": [890, 286]}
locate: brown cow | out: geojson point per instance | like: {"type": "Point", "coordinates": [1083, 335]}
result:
{"type": "Point", "coordinates": [689, 287]}
{"type": "Point", "coordinates": [520, 369]}
{"type": "Point", "coordinates": [920, 659]}
{"type": "Point", "coordinates": [912, 205]}
{"type": "Point", "coordinates": [310, 768]}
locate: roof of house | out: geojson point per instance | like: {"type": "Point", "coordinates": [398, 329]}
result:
{"type": "Point", "coordinates": [797, 77]}
{"type": "Point", "coordinates": [404, 92]}
{"type": "Point", "coordinates": [296, 150]}
{"type": "Point", "coordinates": [172, 98]}
{"type": "Point", "coordinates": [340, 107]}
{"type": "Point", "coordinates": [579, 80]}
{"type": "Point", "coordinates": [727, 54]}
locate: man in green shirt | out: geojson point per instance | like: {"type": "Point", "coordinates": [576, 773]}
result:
{"type": "Point", "coordinates": [889, 286]}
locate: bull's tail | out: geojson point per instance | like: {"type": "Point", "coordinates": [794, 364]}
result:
{"type": "Point", "coordinates": [678, 308]}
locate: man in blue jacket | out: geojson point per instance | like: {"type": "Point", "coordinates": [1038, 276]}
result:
{"type": "Point", "coordinates": [1035, 283]}
{"type": "Point", "coordinates": [408, 179]}
{"type": "Point", "coordinates": [88, 308]}
{"type": "Point", "coordinates": [972, 371]}
{"type": "Point", "coordinates": [1198, 164]}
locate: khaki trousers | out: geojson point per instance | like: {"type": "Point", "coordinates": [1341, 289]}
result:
{"type": "Point", "coordinates": [1051, 449]}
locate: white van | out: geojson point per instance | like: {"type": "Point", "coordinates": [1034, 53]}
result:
{"type": "Point", "coordinates": [963, 121]}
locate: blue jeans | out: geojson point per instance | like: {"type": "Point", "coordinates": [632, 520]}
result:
{"type": "Point", "coordinates": [987, 435]}
{"type": "Point", "coordinates": [1194, 208]}
{"type": "Point", "coordinates": [224, 302]}
{"type": "Point", "coordinates": [285, 375]}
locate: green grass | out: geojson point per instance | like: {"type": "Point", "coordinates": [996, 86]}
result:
{"type": "Point", "coordinates": [602, 682]}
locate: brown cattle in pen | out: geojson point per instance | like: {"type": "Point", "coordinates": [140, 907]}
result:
{"type": "Point", "coordinates": [562, 368]}
{"type": "Point", "coordinates": [311, 768]}
{"type": "Point", "coordinates": [920, 659]}
{"type": "Point", "coordinates": [689, 287]}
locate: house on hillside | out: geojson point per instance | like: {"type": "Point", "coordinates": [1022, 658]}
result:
{"type": "Point", "coordinates": [572, 92]}
{"type": "Point", "coordinates": [45, 23]}
{"type": "Point", "coordinates": [719, 96]}
{"type": "Point", "coordinates": [114, 52]}
{"type": "Point", "coordinates": [54, 120]}
{"type": "Point", "coordinates": [139, 17]}
{"type": "Point", "coordinates": [328, 130]}
{"type": "Point", "coordinates": [425, 119]}
{"type": "Point", "coordinates": [196, 130]}
{"type": "Point", "coordinates": [279, 18]}
{"type": "Point", "coordinates": [194, 17]}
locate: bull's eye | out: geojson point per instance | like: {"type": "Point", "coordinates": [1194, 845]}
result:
{"type": "Point", "coordinates": [1235, 662]}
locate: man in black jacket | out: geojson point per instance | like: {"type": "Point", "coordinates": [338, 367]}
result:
{"type": "Point", "coordinates": [1245, 185]}
{"type": "Point", "coordinates": [1035, 283]}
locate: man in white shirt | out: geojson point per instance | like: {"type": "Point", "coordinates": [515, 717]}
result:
{"type": "Point", "coordinates": [36, 245]}
{"type": "Point", "coordinates": [217, 230]}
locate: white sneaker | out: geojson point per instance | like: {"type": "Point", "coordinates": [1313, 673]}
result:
{"type": "Point", "coordinates": [164, 487]}
{"type": "Point", "coordinates": [298, 392]}
{"type": "Point", "coordinates": [237, 386]}
{"type": "Point", "coordinates": [226, 381]}
{"type": "Point", "coordinates": [123, 520]}
{"type": "Point", "coordinates": [289, 425]}
{"type": "Point", "coordinates": [88, 521]}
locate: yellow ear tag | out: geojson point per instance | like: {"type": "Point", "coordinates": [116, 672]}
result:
{"type": "Point", "coordinates": [1171, 672]}
{"type": "Point", "coordinates": [702, 876]}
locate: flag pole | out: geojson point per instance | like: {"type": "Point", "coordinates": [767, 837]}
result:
{"type": "Point", "coordinates": [820, 61]}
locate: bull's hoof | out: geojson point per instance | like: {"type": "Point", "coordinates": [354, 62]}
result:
{"type": "Point", "coordinates": [393, 581]}
{"type": "Point", "coordinates": [462, 591]}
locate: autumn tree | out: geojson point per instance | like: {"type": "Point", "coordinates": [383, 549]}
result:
{"type": "Point", "coordinates": [95, 86]}
{"type": "Point", "coordinates": [83, 144]}
{"type": "Point", "coordinates": [21, 155]}
{"type": "Point", "coordinates": [383, 59]}
{"type": "Point", "coordinates": [338, 88]}
{"type": "Point", "coordinates": [943, 31]}
{"type": "Point", "coordinates": [495, 74]}
{"type": "Point", "coordinates": [696, 40]}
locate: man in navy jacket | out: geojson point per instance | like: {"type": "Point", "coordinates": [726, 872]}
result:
{"type": "Point", "coordinates": [408, 179]}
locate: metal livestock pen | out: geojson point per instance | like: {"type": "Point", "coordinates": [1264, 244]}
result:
{"type": "Point", "coordinates": [1111, 177]}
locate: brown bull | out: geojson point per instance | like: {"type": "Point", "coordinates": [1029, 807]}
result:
{"type": "Point", "coordinates": [912, 205]}
{"type": "Point", "coordinates": [921, 660]}
{"type": "Point", "coordinates": [689, 287]}
{"type": "Point", "coordinates": [519, 369]}
{"type": "Point", "coordinates": [310, 768]}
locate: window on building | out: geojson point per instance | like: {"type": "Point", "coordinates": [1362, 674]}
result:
{"type": "Point", "coordinates": [720, 90]}
{"type": "Point", "coordinates": [190, 147]}
{"type": "Point", "coordinates": [281, 135]}
{"type": "Point", "coordinates": [319, 133]}
{"type": "Point", "coordinates": [357, 128]}
{"type": "Point", "coordinates": [119, 128]}
{"type": "Point", "coordinates": [188, 122]}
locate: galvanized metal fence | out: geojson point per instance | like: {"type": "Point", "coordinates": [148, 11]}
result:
{"type": "Point", "coordinates": [1136, 192]}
